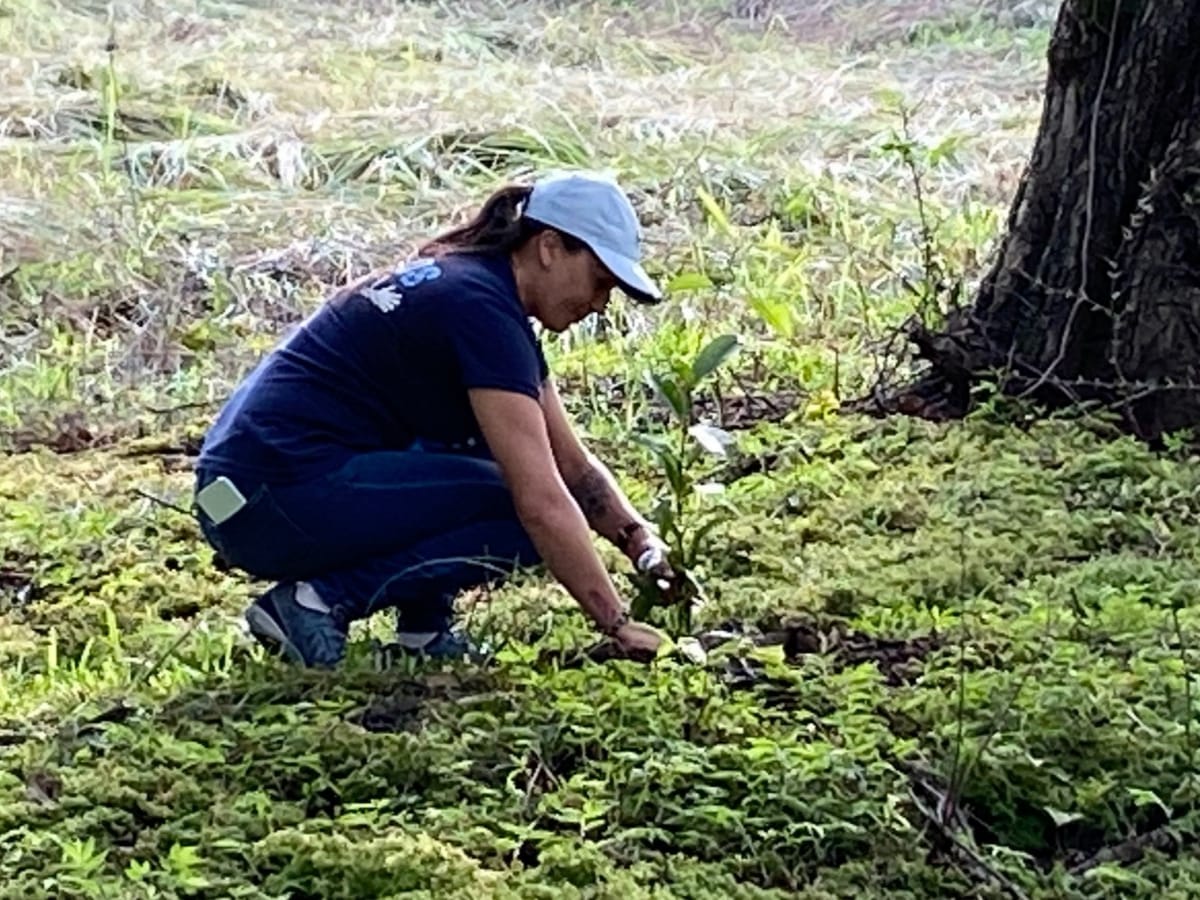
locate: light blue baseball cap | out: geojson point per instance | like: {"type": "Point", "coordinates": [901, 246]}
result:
{"type": "Point", "coordinates": [592, 207]}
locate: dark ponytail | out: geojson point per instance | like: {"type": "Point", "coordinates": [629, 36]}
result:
{"type": "Point", "coordinates": [495, 228]}
{"type": "Point", "coordinates": [498, 227]}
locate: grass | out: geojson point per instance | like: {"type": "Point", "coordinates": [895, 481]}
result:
{"type": "Point", "coordinates": [986, 682]}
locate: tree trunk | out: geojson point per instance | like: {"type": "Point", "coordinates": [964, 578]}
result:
{"type": "Point", "coordinates": [1094, 293]}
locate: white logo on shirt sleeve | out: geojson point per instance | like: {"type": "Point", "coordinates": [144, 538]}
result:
{"type": "Point", "coordinates": [385, 299]}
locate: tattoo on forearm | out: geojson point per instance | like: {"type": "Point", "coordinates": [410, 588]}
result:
{"type": "Point", "coordinates": [591, 492]}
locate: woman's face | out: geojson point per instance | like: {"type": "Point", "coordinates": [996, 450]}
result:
{"type": "Point", "coordinates": [569, 286]}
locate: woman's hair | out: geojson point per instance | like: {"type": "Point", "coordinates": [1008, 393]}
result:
{"type": "Point", "coordinates": [498, 227]}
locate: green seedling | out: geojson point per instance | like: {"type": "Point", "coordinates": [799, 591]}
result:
{"type": "Point", "coordinates": [684, 514]}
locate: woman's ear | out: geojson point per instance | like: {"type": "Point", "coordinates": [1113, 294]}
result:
{"type": "Point", "coordinates": [549, 247]}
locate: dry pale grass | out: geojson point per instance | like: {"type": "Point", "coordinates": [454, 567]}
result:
{"type": "Point", "coordinates": [401, 72]}
{"type": "Point", "coordinates": [177, 197]}
{"type": "Point", "coordinates": [869, 23]}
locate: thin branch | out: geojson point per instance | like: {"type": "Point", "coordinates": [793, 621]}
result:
{"type": "Point", "coordinates": [1162, 838]}
{"type": "Point", "coordinates": [930, 268]}
{"type": "Point", "coordinates": [161, 502]}
{"type": "Point", "coordinates": [146, 674]}
{"type": "Point", "coordinates": [195, 404]}
{"type": "Point", "coordinates": [975, 863]}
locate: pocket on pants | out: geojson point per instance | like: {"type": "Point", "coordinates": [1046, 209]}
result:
{"type": "Point", "coordinates": [260, 539]}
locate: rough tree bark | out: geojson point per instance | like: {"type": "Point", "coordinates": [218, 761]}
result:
{"type": "Point", "coordinates": [1094, 293]}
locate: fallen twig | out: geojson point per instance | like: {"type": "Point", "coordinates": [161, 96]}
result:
{"type": "Point", "coordinates": [1165, 837]}
{"type": "Point", "coordinates": [973, 862]}
{"type": "Point", "coordinates": [948, 820]}
{"type": "Point", "coordinates": [195, 404]}
{"type": "Point", "coordinates": [161, 502]}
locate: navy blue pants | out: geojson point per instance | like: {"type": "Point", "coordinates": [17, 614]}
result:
{"type": "Point", "coordinates": [408, 529]}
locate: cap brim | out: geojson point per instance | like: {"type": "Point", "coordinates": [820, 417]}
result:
{"type": "Point", "coordinates": [630, 276]}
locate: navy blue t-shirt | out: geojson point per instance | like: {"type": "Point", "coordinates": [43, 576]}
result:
{"type": "Point", "coordinates": [379, 368]}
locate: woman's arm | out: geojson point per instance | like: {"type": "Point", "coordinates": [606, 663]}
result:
{"type": "Point", "coordinates": [607, 509]}
{"type": "Point", "coordinates": [516, 432]}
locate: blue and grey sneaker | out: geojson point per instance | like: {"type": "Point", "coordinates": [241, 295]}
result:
{"type": "Point", "coordinates": [445, 645]}
{"type": "Point", "coordinates": [294, 620]}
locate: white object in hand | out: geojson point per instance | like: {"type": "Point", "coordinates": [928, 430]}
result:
{"type": "Point", "coordinates": [650, 557]}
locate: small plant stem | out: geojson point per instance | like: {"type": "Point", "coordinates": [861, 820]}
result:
{"type": "Point", "coordinates": [1187, 689]}
{"type": "Point", "coordinates": [955, 785]}
{"type": "Point", "coordinates": [928, 263]}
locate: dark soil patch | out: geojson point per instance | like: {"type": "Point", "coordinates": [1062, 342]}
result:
{"type": "Point", "coordinates": [735, 411]}
{"type": "Point", "coordinates": [1078, 845]}
{"type": "Point", "coordinates": [401, 705]}
{"type": "Point", "coordinates": [745, 466]}
{"type": "Point", "coordinates": [746, 409]}
{"type": "Point", "coordinates": [68, 433]}
{"type": "Point", "coordinates": [17, 587]}
{"type": "Point", "coordinates": [898, 660]}
{"type": "Point", "coordinates": [1166, 839]}
{"type": "Point", "coordinates": [43, 787]}
{"type": "Point", "coordinates": [772, 694]}
{"type": "Point", "coordinates": [187, 446]}
{"type": "Point", "coordinates": [398, 710]}
{"type": "Point", "coordinates": [742, 409]}
{"type": "Point", "coordinates": [182, 609]}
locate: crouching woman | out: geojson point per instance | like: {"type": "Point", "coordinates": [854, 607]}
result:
{"type": "Point", "coordinates": [408, 442]}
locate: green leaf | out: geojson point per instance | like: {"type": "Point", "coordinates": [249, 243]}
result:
{"type": "Point", "coordinates": [673, 394]}
{"type": "Point", "coordinates": [1061, 817]}
{"type": "Point", "coordinates": [945, 149]}
{"type": "Point", "coordinates": [778, 314]}
{"type": "Point", "coordinates": [714, 353]}
{"type": "Point", "coordinates": [770, 654]}
{"type": "Point", "coordinates": [1143, 797]}
{"type": "Point", "coordinates": [137, 870]}
{"type": "Point", "coordinates": [713, 208]}
{"type": "Point", "coordinates": [699, 539]}
{"type": "Point", "coordinates": [889, 98]}
{"type": "Point", "coordinates": [689, 281]}
{"type": "Point", "coordinates": [654, 444]}
{"type": "Point", "coordinates": [673, 467]}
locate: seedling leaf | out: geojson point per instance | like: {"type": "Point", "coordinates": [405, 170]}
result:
{"type": "Point", "coordinates": [713, 354]}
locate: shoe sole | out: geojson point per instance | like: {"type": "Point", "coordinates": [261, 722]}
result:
{"type": "Point", "coordinates": [267, 632]}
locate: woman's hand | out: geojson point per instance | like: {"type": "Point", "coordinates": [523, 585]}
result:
{"type": "Point", "coordinates": [649, 553]}
{"type": "Point", "coordinates": [638, 641]}
{"type": "Point", "coordinates": [651, 558]}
